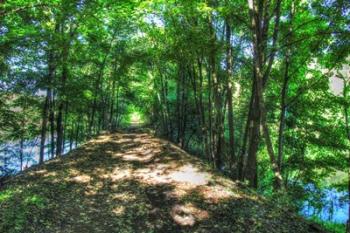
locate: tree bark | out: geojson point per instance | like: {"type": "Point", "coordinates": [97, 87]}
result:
{"type": "Point", "coordinates": [178, 103]}
{"type": "Point", "coordinates": [259, 24]}
{"type": "Point", "coordinates": [229, 64]}
{"type": "Point", "coordinates": [52, 124]}
{"type": "Point", "coordinates": [242, 156]}
{"type": "Point", "coordinates": [46, 107]}
{"type": "Point", "coordinates": [62, 98]}
{"type": "Point", "coordinates": [65, 115]}
{"type": "Point", "coordinates": [77, 131]}
{"type": "Point", "coordinates": [218, 130]}
{"type": "Point", "coordinates": [96, 95]}
{"type": "Point", "coordinates": [282, 116]}
{"type": "Point", "coordinates": [21, 149]}
{"type": "Point", "coordinates": [44, 126]}
{"type": "Point", "coordinates": [111, 112]}
{"type": "Point", "coordinates": [250, 171]}
{"type": "Point", "coordinates": [284, 94]}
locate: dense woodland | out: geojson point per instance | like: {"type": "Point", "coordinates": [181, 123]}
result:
{"type": "Point", "coordinates": [259, 89]}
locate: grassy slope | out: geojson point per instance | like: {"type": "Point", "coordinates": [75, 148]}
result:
{"type": "Point", "coordinates": [135, 183]}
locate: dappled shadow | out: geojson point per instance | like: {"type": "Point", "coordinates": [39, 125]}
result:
{"type": "Point", "coordinates": [133, 182]}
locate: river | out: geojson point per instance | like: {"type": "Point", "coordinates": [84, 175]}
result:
{"type": "Point", "coordinates": [334, 206]}
{"type": "Point", "coordinates": [9, 155]}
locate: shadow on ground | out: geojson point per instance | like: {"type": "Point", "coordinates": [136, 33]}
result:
{"type": "Point", "coordinates": [133, 182]}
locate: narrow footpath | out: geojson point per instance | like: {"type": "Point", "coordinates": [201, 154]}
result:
{"type": "Point", "coordinates": [135, 182]}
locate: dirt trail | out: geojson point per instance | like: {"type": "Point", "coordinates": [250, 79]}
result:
{"type": "Point", "coordinates": [134, 182]}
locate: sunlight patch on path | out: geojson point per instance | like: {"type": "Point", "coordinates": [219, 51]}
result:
{"type": "Point", "coordinates": [119, 211]}
{"type": "Point", "coordinates": [164, 163]}
{"type": "Point", "coordinates": [187, 215]}
{"type": "Point", "coordinates": [190, 174]}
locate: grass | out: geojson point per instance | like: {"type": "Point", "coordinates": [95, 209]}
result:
{"type": "Point", "coordinates": [330, 226]}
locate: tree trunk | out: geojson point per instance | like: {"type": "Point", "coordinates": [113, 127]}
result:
{"type": "Point", "coordinates": [183, 111]}
{"type": "Point", "coordinates": [96, 95]}
{"type": "Point", "coordinates": [283, 116]}
{"type": "Point", "coordinates": [229, 63]}
{"type": "Point", "coordinates": [242, 156]}
{"type": "Point", "coordinates": [59, 123]}
{"type": "Point", "coordinates": [204, 128]}
{"type": "Point", "coordinates": [111, 112]}
{"type": "Point", "coordinates": [260, 18]}
{"type": "Point", "coordinates": [97, 87]}
{"type": "Point", "coordinates": [52, 125]}
{"type": "Point", "coordinates": [21, 149]}
{"type": "Point", "coordinates": [179, 104]}
{"type": "Point", "coordinates": [164, 104]}
{"type": "Point", "coordinates": [117, 109]}
{"type": "Point", "coordinates": [62, 101]}
{"type": "Point", "coordinates": [77, 133]}
{"type": "Point", "coordinates": [44, 126]}
{"type": "Point", "coordinates": [210, 120]}
{"type": "Point", "coordinates": [250, 171]}
{"type": "Point", "coordinates": [65, 129]}
{"type": "Point", "coordinates": [71, 136]}
{"type": "Point", "coordinates": [284, 94]}
{"type": "Point", "coordinates": [218, 131]}
{"type": "Point", "coordinates": [47, 106]}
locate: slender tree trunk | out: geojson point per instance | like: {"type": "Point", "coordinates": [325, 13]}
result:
{"type": "Point", "coordinates": [204, 128]}
{"type": "Point", "coordinates": [98, 85]}
{"type": "Point", "coordinates": [65, 129]}
{"type": "Point", "coordinates": [59, 123]}
{"type": "Point", "coordinates": [164, 104]}
{"type": "Point", "coordinates": [47, 106]}
{"type": "Point", "coordinates": [242, 156]}
{"type": "Point", "coordinates": [283, 115]}
{"type": "Point", "coordinates": [101, 114]}
{"type": "Point", "coordinates": [284, 94]}
{"type": "Point", "coordinates": [178, 104]}
{"type": "Point", "coordinates": [71, 137]}
{"type": "Point", "coordinates": [77, 132]}
{"type": "Point", "coordinates": [117, 109]}
{"type": "Point", "coordinates": [52, 125]}
{"type": "Point", "coordinates": [111, 112]}
{"type": "Point", "coordinates": [92, 118]}
{"type": "Point", "coordinates": [210, 119]}
{"type": "Point", "coordinates": [218, 131]}
{"type": "Point", "coordinates": [229, 63]}
{"type": "Point", "coordinates": [21, 149]}
{"type": "Point", "coordinates": [198, 97]}
{"type": "Point", "coordinates": [250, 171]}
{"type": "Point", "coordinates": [62, 101]}
{"type": "Point", "coordinates": [105, 109]}
{"type": "Point", "coordinates": [167, 107]}
{"type": "Point", "coordinates": [44, 126]}
{"type": "Point", "coordinates": [183, 111]}
{"type": "Point", "coordinates": [96, 96]}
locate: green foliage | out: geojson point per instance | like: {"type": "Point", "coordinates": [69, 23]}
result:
{"type": "Point", "coordinates": [71, 69]}
{"type": "Point", "coordinates": [21, 210]}
{"type": "Point", "coordinates": [330, 226]}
